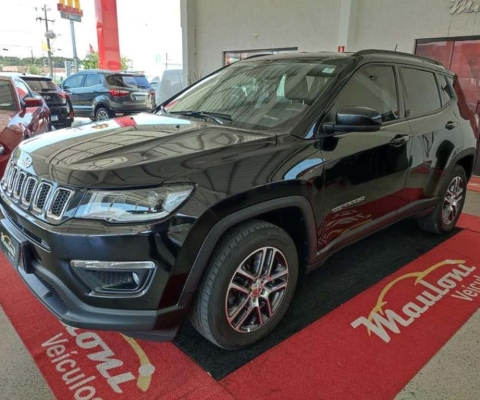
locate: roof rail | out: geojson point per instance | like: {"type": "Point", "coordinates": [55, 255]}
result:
{"type": "Point", "coordinates": [430, 60]}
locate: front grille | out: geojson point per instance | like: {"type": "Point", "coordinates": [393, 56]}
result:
{"type": "Point", "coordinates": [49, 287]}
{"type": "Point", "coordinates": [43, 197]}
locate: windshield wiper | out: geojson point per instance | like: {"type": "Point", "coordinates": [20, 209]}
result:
{"type": "Point", "coordinates": [219, 118]}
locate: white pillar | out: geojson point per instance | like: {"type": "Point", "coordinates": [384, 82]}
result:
{"type": "Point", "coordinates": [189, 37]}
{"type": "Point", "coordinates": [347, 30]}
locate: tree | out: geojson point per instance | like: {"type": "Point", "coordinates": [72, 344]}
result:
{"type": "Point", "coordinates": [91, 62]}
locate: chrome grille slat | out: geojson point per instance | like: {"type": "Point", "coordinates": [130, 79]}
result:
{"type": "Point", "coordinates": [11, 179]}
{"type": "Point", "coordinates": [42, 198]}
{"type": "Point", "coordinates": [18, 188]}
{"type": "Point", "coordinates": [59, 203]}
{"type": "Point", "coordinates": [28, 193]}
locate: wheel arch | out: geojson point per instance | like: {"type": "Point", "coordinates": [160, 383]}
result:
{"type": "Point", "coordinates": [280, 212]}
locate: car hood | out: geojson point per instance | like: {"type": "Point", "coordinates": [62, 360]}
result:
{"type": "Point", "coordinates": [145, 149]}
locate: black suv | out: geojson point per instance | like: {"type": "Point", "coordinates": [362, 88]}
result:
{"type": "Point", "coordinates": [211, 208]}
{"type": "Point", "coordinates": [101, 95]}
{"type": "Point", "coordinates": [58, 101]}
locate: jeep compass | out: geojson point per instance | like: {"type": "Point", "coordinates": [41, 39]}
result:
{"type": "Point", "coordinates": [210, 207]}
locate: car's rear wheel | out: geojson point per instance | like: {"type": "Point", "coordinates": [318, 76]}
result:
{"type": "Point", "coordinates": [102, 114]}
{"type": "Point", "coordinates": [248, 286]}
{"type": "Point", "coordinates": [450, 204]}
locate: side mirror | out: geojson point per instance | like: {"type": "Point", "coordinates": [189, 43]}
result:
{"type": "Point", "coordinates": [32, 102]}
{"type": "Point", "coordinates": [66, 87]}
{"type": "Point", "coordinates": [355, 119]}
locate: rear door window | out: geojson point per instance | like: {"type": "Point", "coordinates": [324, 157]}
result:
{"type": "Point", "coordinates": [421, 92]}
{"type": "Point", "coordinates": [7, 101]}
{"type": "Point", "coordinates": [92, 80]}
{"type": "Point", "coordinates": [128, 81]}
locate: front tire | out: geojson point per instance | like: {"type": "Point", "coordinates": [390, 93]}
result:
{"type": "Point", "coordinates": [102, 114]}
{"type": "Point", "coordinates": [450, 204]}
{"type": "Point", "coordinates": [248, 286]}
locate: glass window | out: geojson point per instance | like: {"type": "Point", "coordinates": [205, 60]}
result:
{"type": "Point", "coordinates": [92, 80]}
{"type": "Point", "coordinates": [7, 101]}
{"type": "Point", "coordinates": [231, 57]}
{"type": "Point", "coordinates": [446, 88]}
{"type": "Point", "coordinates": [22, 89]}
{"type": "Point", "coordinates": [40, 85]}
{"type": "Point", "coordinates": [373, 87]}
{"type": "Point", "coordinates": [74, 81]}
{"type": "Point", "coordinates": [421, 92]}
{"type": "Point", "coordinates": [128, 81]}
{"type": "Point", "coordinates": [260, 94]}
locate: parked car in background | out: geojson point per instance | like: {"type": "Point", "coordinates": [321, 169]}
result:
{"type": "Point", "coordinates": [101, 94]}
{"type": "Point", "coordinates": [171, 83]}
{"type": "Point", "coordinates": [22, 116]}
{"type": "Point", "coordinates": [58, 101]}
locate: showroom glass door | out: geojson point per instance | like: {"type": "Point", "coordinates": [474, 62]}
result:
{"type": "Point", "coordinates": [462, 56]}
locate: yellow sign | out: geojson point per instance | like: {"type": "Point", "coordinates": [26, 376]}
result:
{"type": "Point", "coordinates": [70, 7]}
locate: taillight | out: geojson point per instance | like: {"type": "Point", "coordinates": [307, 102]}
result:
{"type": "Point", "coordinates": [119, 93]}
{"type": "Point", "coordinates": [152, 93]}
{"type": "Point", "coordinates": [63, 95]}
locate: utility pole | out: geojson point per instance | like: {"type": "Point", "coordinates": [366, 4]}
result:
{"type": "Point", "coordinates": [74, 45]}
{"type": "Point", "coordinates": [48, 34]}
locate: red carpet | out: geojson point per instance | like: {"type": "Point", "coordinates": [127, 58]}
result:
{"type": "Point", "coordinates": [474, 184]}
{"type": "Point", "coordinates": [411, 314]}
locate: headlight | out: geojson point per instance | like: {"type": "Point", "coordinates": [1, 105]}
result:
{"type": "Point", "coordinates": [133, 205]}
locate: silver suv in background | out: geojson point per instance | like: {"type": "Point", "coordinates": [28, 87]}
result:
{"type": "Point", "coordinates": [171, 83]}
{"type": "Point", "coordinates": [101, 94]}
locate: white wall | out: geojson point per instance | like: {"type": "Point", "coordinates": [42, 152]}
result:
{"type": "Point", "coordinates": [384, 23]}
{"type": "Point", "coordinates": [223, 25]}
{"type": "Point", "coordinates": [314, 25]}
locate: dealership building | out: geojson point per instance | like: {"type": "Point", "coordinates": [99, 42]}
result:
{"type": "Point", "coordinates": [216, 33]}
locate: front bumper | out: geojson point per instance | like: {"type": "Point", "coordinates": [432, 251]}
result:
{"type": "Point", "coordinates": [48, 285]}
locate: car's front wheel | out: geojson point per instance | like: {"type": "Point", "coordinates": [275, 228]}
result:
{"type": "Point", "coordinates": [248, 286]}
{"type": "Point", "coordinates": [102, 114]}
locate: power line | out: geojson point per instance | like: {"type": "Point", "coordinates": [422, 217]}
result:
{"type": "Point", "coordinates": [45, 9]}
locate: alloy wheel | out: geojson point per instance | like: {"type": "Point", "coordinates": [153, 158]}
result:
{"type": "Point", "coordinates": [102, 115]}
{"type": "Point", "coordinates": [256, 290]}
{"type": "Point", "coordinates": [453, 201]}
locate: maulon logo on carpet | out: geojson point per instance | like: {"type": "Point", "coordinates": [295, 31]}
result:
{"type": "Point", "coordinates": [429, 287]}
{"type": "Point", "coordinates": [83, 360]}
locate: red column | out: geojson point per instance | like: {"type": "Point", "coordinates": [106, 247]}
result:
{"type": "Point", "coordinates": [107, 33]}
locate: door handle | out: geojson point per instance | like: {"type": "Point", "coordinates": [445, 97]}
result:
{"type": "Point", "coordinates": [400, 140]}
{"type": "Point", "coordinates": [451, 125]}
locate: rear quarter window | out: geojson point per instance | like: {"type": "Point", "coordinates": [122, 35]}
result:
{"type": "Point", "coordinates": [421, 92]}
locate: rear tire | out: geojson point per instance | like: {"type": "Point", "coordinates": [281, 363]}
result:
{"type": "Point", "coordinates": [238, 303]}
{"type": "Point", "coordinates": [450, 204]}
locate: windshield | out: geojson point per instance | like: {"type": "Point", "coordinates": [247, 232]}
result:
{"type": "Point", "coordinates": [260, 94]}
{"type": "Point", "coordinates": [40, 85]}
{"type": "Point", "coordinates": [128, 81]}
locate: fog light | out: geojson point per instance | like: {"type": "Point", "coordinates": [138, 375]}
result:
{"type": "Point", "coordinates": [114, 277]}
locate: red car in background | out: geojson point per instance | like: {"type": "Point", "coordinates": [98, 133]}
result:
{"type": "Point", "coordinates": [22, 116]}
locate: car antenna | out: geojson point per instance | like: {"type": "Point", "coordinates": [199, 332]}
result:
{"type": "Point", "coordinates": [396, 47]}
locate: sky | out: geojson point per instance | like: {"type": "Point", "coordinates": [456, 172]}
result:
{"type": "Point", "coordinates": [149, 30]}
